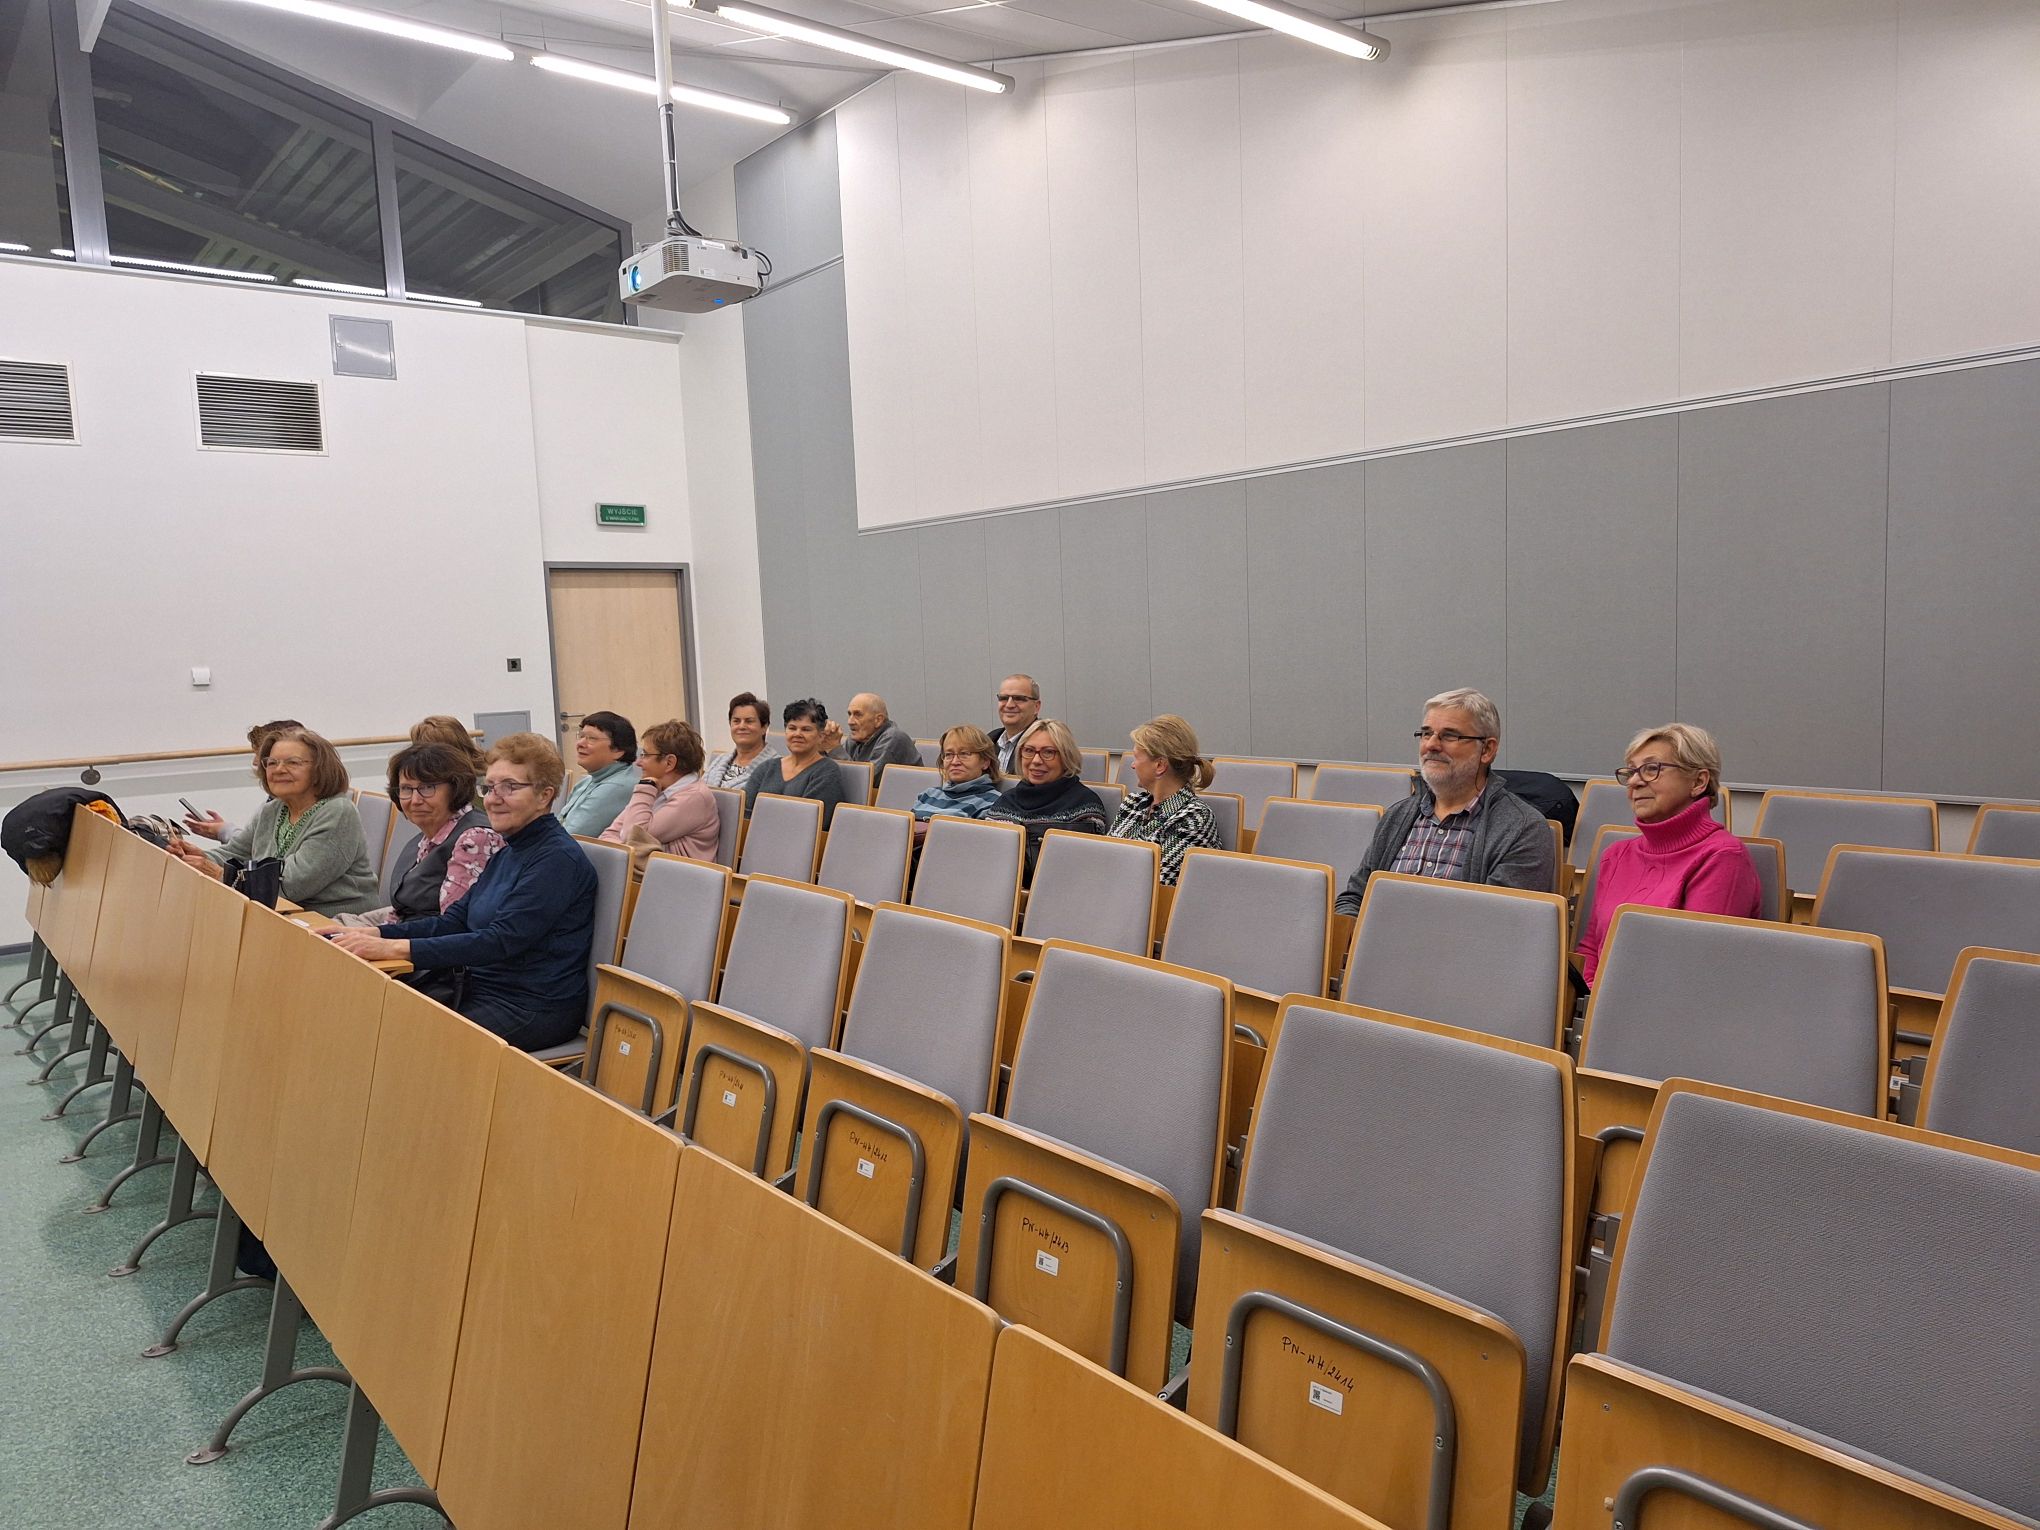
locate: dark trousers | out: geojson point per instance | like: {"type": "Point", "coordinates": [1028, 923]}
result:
{"type": "Point", "coordinates": [526, 1028]}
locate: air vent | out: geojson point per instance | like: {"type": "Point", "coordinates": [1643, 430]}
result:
{"type": "Point", "coordinates": [259, 414]}
{"type": "Point", "coordinates": [35, 401]}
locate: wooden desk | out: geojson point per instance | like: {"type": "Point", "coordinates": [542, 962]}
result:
{"type": "Point", "coordinates": [312, 921]}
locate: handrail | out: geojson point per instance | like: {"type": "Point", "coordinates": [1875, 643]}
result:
{"type": "Point", "coordinates": [93, 761]}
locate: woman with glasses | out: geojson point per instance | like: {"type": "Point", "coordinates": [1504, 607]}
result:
{"type": "Point", "coordinates": [970, 779]}
{"type": "Point", "coordinates": [804, 771]}
{"type": "Point", "coordinates": [517, 944]}
{"type": "Point", "coordinates": [671, 807]}
{"type": "Point", "coordinates": [309, 822]}
{"type": "Point", "coordinates": [1684, 858]}
{"type": "Point", "coordinates": [1165, 811]}
{"type": "Point", "coordinates": [433, 786]}
{"type": "Point", "coordinates": [1050, 793]}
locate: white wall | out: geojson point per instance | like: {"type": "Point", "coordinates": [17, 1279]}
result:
{"type": "Point", "coordinates": [1138, 269]}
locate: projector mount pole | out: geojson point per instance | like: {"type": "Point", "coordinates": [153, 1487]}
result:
{"type": "Point", "coordinates": [662, 60]}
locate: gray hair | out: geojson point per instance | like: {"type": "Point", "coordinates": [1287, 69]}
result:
{"type": "Point", "coordinates": [1486, 715]}
{"type": "Point", "coordinates": [1693, 749]}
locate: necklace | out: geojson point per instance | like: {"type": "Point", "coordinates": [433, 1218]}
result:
{"type": "Point", "coordinates": [288, 833]}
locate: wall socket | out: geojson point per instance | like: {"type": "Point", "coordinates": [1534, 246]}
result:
{"type": "Point", "coordinates": [515, 666]}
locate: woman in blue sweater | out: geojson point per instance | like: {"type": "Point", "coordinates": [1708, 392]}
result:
{"type": "Point", "coordinates": [519, 939]}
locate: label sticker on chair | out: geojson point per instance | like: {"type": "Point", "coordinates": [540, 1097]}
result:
{"type": "Point", "coordinates": [1046, 1262]}
{"type": "Point", "coordinates": [1328, 1398]}
{"type": "Point", "coordinates": [623, 1049]}
{"type": "Point", "coordinates": [729, 1097]}
{"type": "Point", "coordinates": [866, 1168]}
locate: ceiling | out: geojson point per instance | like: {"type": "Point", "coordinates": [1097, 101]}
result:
{"type": "Point", "coordinates": [600, 145]}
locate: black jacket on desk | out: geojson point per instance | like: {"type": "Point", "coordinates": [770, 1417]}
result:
{"type": "Point", "coordinates": [523, 930]}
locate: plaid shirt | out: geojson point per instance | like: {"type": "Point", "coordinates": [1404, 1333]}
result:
{"type": "Point", "coordinates": [1437, 847]}
{"type": "Point", "coordinates": [1178, 826]}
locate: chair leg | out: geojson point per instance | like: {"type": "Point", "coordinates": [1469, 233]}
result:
{"type": "Point", "coordinates": [356, 1494]}
{"type": "Point", "coordinates": [183, 1184]}
{"type": "Point", "coordinates": [96, 1054]}
{"type": "Point", "coordinates": [279, 1370]}
{"type": "Point", "coordinates": [66, 997]}
{"type": "Point", "coordinates": [148, 1152]}
{"type": "Point", "coordinates": [119, 1107]}
{"type": "Point", "coordinates": [220, 1279]}
{"type": "Point", "coordinates": [79, 1015]}
{"type": "Point", "coordinates": [43, 973]}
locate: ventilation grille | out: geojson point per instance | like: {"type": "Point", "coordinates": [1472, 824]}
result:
{"type": "Point", "coordinates": [259, 414]}
{"type": "Point", "coordinates": [35, 401]}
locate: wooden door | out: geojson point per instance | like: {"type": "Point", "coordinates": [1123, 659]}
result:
{"type": "Point", "coordinates": [617, 647]}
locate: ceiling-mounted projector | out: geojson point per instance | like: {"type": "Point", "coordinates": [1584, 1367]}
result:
{"type": "Point", "coordinates": [689, 274]}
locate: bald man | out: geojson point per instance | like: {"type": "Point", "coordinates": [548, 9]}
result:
{"type": "Point", "coordinates": [874, 736]}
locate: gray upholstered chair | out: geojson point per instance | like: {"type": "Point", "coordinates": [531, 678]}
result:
{"type": "Point", "coordinates": [867, 853]}
{"type": "Point", "coordinates": [1227, 811]}
{"type": "Point", "coordinates": [676, 926]}
{"type": "Point", "coordinates": [856, 784]}
{"type": "Point", "coordinates": [729, 827]}
{"type": "Point", "coordinates": [2000, 829]}
{"type": "Point", "coordinates": [612, 890]}
{"type": "Point", "coordinates": [1379, 786]}
{"type": "Point", "coordinates": [397, 858]}
{"type": "Point", "coordinates": [1768, 1240]}
{"type": "Point", "coordinates": [1093, 889]}
{"type": "Point", "coordinates": [930, 750]}
{"type": "Point", "coordinates": [1413, 1183]}
{"type": "Point", "coordinates": [971, 868]}
{"type": "Point", "coordinates": [1334, 834]}
{"type": "Point", "coordinates": [1097, 765]}
{"type": "Point", "coordinates": [1488, 959]}
{"type": "Point", "coordinates": [1111, 797]}
{"type": "Point", "coordinates": [377, 813]}
{"type": "Point", "coordinates": [782, 838]}
{"type": "Point", "coordinates": [1983, 1076]}
{"type": "Point", "coordinates": [1264, 924]}
{"type": "Point", "coordinates": [1254, 782]}
{"type": "Point", "coordinates": [1810, 824]}
{"type": "Point", "coordinates": [900, 785]}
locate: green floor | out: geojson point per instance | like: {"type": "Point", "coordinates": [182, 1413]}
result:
{"type": "Point", "coordinates": [96, 1435]}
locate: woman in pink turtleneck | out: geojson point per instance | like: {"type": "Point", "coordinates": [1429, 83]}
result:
{"type": "Point", "coordinates": [1684, 859]}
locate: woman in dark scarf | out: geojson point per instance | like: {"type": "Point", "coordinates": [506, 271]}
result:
{"type": "Point", "coordinates": [1050, 793]}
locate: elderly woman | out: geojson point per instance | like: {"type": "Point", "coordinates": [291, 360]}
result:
{"type": "Point", "coordinates": [519, 940]}
{"type": "Point", "coordinates": [804, 771]}
{"type": "Point", "coordinates": [671, 804]}
{"type": "Point", "coordinates": [1165, 811]}
{"type": "Point", "coordinates": [1684, 858]}
{"type": "Point", "coordinates": [969, 782]}
{"type": "Point", "coordinates": [433, 785]}
{"type": "Point", "coordinates": [1051, 793]}
{"type": "Point", "coordinates": [213, 825]}
{"type": "Point", "coordinates": [606, 749]}
{"type": "Point", "coordinates": [309, 822]}
{"type": "Point", "coordinates": [450, 731]}
{"type": "Point", "coordinates": [749, 717]}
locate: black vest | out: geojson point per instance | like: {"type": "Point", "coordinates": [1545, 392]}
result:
{"type": "Point", "coordinates": [415, 894]}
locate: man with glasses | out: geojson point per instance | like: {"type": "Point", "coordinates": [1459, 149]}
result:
{"type": "Point", "coordinates": [1019, 701]}
{"type": "Point", "coordinates": [1460, 823]}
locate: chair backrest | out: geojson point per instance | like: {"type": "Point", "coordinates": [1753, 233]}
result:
{"type": "Point", "coordinates": [1111, 797]}
{"type": "Point", "coordinates": [1558, 882]}
{"type": "Point", "coordinates": [1255, 781]}
{"type": "Point", "coordinates": [1774, 892]}
{"type": "Point", "coordinates": [1334, 834]}
{"type": "Point", "coordinates": [1810, 824]}
{"type": "Point", "coordinates": [612, 887]}
{"type": "Point", "coordinates": [972, 868]}
{"type": "Point", "coordinates": [930, 750]}
{"type": "Point", "coordinates": [1983, 1074]}
{"type": "Point", "coordinates": [1741, 1194]}
{"type": "Point", "coordinates": [377, 813]}
{"type": "Point", "coordinates": [776, 740]}
{"type": "Point", "coordinates": [1123, 773]}
{"type": "Point", "coordinates": [901, 784]}
{"type": "Point", "coordinates": [783, 837]}
{"type": "Point", "coordinates": [1097, 765]}
{"type": "Point", "coordinates": [1783, 1009]}
{"type": "Point", "coordinates": [787, 958]}
{"type": "Point", "coordinates": [1488, 959]}
{"type": "Point", "coordinates": [676, 927]}
{"type": "Point", "coordinates": [856, 783]}
{"type": "Point", "coordinates": [1226, 812]}
{"type": "Point", "coordinates": [1262, 923]}
{"type": "Point", "coordinates": [398, 858]}
{"type": "Point", "coordinates": [867, 853]}
{"type": "Point", "coordinates": [1603, 804]}
{"type": "Point", "coordinates": [1370, 785]}
{"type": "Point", "coordinates": [1442, 1155]}
{"type": "Point", "coordinates": [1127, 1059]}
{"type": "Point", "coordinates": [1604, 836]}
{"type": "Point", "coordinates": [930, 989]}
{"type": "Point", "coordinates": [729, 825]}
{"type": "Point", "coordinates": [1929, 907]}
{"type": "Point", "coordinates": [2002, 830]}
{"type": "Point", "coordinates": [1094, 889]}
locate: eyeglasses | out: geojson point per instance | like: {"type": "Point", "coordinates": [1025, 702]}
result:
{"type": "Point", "coordinates": [1047, 753]}
{"type": "Point", "coordinates": [1449, 737]}
{"type": "Point", "coordinates": [406, 793]}
{"type": "Point", "coordinates": [960, 754]}
{"type": "Point", "coordinates": [286, 764]}
{"type": "Point", "coordinates": [1649, 770]}
{"type": "Point", "coordinates": [1015, 700]}
{"type": "Point", "coordinates": [503, 788]}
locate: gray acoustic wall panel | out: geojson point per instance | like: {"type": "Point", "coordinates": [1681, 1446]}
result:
{"type": "Point", "coordinates": [1593, 591]}
{"type": "Point", "coordinates": [1781, 583]}
{"type": "Point", "coordinates": [1436, 554]}
{"type": "Point", "coordinates": [1105, 619]}
{"type": "Point", "coordinates": [1962, 626]}
{"type": "Point", "coordinates": [955, 627]}
{"type": "Point", "coordinates": [789, 199]}
{"type": "Point", "coordinates": [1197, 616]}
{"type": "Point", "coordinates": [1307, 612]}
{"type": "Point", "coordinates": [774, 350]}
{"type": "Point", "coordinates": [1024, 605]}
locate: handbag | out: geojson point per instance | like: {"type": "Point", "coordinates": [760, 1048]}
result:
{"type": "Point", "coordinates": [259, 881]}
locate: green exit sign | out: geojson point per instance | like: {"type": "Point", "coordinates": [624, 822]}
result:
{"type": "Point", "coordinates": [619, 515]}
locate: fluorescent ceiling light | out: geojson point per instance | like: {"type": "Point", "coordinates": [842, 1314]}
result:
{"type": "Point", "coordinates": [347, 287]}
{"type": "Point", "coordinates": [13, 249]}
{"type": "Point", "coordinates": [390, 26]}
{"type": "Point", "coordinates": [1288, 20]}
{"type": "Point", "coordinates": [450, 302]}
{"type": "Point", "coordinates": [190, 270]}
{"type": "Point", "coordinates": [645, 85]}
{"type": "Point", "coordinates": [796, 30]}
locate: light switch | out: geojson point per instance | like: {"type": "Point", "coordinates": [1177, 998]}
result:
{"type": "Point", "coordinates": [201, 677]}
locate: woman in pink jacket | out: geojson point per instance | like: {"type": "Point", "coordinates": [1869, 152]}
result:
{"type": "Point", "coordinates": [1684, 858]}
{"type": "Point", "coordinates": [671, 802]}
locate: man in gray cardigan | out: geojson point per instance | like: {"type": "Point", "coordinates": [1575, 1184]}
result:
{"type": "Point", "coordinates": [1460, 823]}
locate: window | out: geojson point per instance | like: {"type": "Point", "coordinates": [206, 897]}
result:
{"type": "Point", "coordinates": [471, 235]}
{"type": "Point", "coordinates": [35, 208]}
{"type": "Point", "coordinates": [210, 165]}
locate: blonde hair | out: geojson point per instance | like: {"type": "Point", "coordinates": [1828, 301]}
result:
{"type": "Point", "coordinates": [1692, 748]}
{"type": "Point", "coordinates": [976, 741]}
{"type": "Point", "coordinates": [450, 731]}
{"type": "Point", "coordinates": [1170, 738]}
{"type": "Point", "coordinates": [531, 754]}
{"type": "Point", "coordinates": [1059, 735]}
